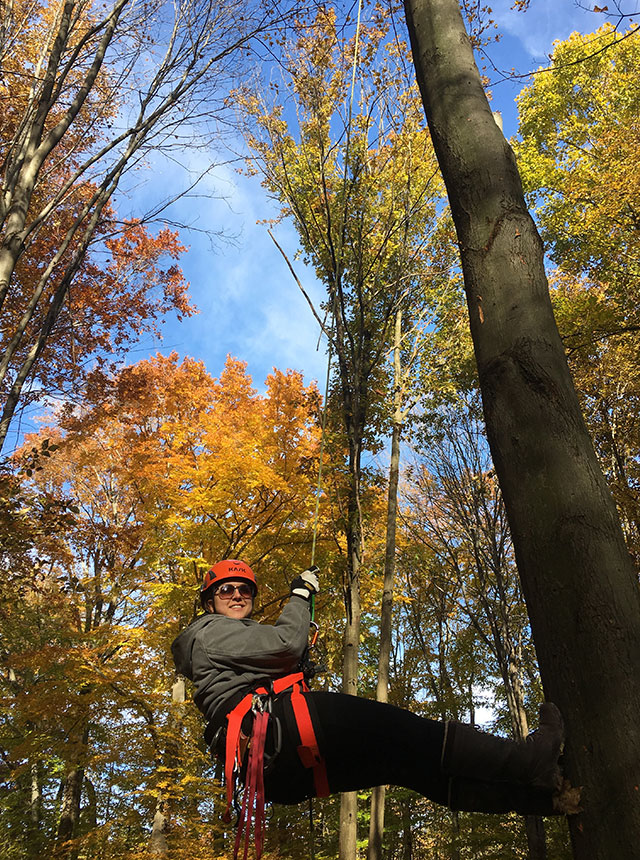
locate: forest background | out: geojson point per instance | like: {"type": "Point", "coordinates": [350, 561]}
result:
{"type": "Point", "coordinates": [148, 470]}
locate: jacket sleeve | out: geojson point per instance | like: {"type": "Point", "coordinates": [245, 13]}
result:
{"type": "Point", "coordinates": [269, 650]}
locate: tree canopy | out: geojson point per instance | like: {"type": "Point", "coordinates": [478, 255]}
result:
{"type": "Point", "coordinates": [145, 473]}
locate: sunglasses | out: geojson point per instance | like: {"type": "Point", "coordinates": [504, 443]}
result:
{"type": "Point", "coordinates": [226, 591]}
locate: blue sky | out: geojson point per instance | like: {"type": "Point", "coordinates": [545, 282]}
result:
{"type": "Point", "coordinates": [250, 306]}
{"type": "Point", "coordinates": [526, 44]}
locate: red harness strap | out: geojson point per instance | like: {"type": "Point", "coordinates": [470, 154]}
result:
{"type": "Point", "coordinates": [233, 752]}
{"type": "Point", "coordinates": [308, 751]}
{"type": "Point", "coordinates": [253, 797]}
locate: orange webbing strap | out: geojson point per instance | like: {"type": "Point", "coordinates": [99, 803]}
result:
{"type": "Point", "coordinates": [253, 797]}
{"type": "Point", "coordinates": [233, 752]}
{"type": "Point", "coordinates": [308, 751]}
{"type": "Point", "coordinates": [281, 684]}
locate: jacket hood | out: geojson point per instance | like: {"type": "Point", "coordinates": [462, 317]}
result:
{"type": "Point", "coordinates": [182, 645]}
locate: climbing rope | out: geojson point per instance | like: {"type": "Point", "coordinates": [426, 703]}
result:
{"type": "Point", "coordinates": [329, 357]}
{"type": "Point", "coordinates": [337, 275]}
{"type": "Point", "coordinates": [336, 279]}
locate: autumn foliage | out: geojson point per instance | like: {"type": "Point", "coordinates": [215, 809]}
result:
{"type": "Point", "coordinates": [149, 472]}
{"type": "Point", "coordinates": [76, 285]}
{"type": "Point", "coordinates": [88, 91]}
{"type": "Point", "coordinates": [162, 471]}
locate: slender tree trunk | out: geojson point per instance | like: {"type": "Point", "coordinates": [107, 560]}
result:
{"type": "Point", "coordinates": [347, 844]}
{"type": "Point", "coordinates": [455, 836]}
{"type": "Point", "coordinates": [158, 845]}
{"type": "Point", "coordinates": [71, 797]}
{"type": "Point", "coordinates": [35, 804]}
{"type": "Point", "coordinates": [90, 813]}
{"type": "Point", "coordinates": [536, 837]}
{"type": "Point", "coordinates": [352, 601]}
{"type": "Point", "coordinates": [510, 667]}
{"type": "Point", "coordinates": [376, 822]}
{"type": "Point", "coordinates": [33, 831]}
{"type": "Point", "coordinates": [534, 824]}
{"type": "Point", "coordinates": [353, 391]}
{"type": "Point", "coordinates": [407, 832]}
{"type": "Point", "coordinates": [579, 584]}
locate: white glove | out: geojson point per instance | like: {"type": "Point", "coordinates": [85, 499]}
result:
{"type": "Point", "coordinates": [306, 584]}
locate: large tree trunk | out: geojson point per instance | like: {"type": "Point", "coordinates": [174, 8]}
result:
{"type": "Point", "coordinates": [70, 806]}
{"type": "Point", "coordinates": [579, 584]}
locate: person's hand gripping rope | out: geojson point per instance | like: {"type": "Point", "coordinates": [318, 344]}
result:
{"type": "Point", "coordinates": [306, 584]}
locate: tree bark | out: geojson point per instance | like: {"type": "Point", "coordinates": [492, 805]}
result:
{"type": "Point", "coordinates": [347, 844]}
{"type": "Point", "coordinates": [579, 584]}
{"type": "Point", "coordinates": [354, 400]}
{"type": "Point", "coordinates": [71, 791]}
{"type": "Point", "coordinates": [407, 832]}
{"type": "Point", "coordinates": [35, 805]}
{"type": "Point", "coordinates": [70, 807]}
{"type": "Point", "coordinates": [34, 830]}
{"type": "Point", "coordinates": [158, 845]}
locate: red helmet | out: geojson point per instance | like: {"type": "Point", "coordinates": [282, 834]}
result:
{"type": "Point", "coordinates": [228, 569]}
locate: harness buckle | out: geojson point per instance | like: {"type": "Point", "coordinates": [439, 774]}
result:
{"type": "Point", "coordinates": [261, 703]}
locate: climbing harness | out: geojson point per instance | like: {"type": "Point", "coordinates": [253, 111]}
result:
{"type": "Point", "coordinates": [237, 744]}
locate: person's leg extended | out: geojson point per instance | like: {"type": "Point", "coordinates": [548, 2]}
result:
{"type": "Point", "coordinates": [368, 743]}
{"type": "Point", "coordinates": [364, 743]}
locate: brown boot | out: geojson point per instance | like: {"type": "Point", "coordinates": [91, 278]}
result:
{"type": "Point", "coordinates": [473, 755]}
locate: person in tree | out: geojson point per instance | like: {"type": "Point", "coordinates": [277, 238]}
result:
{"type": "Point", "coordinates": [318, 742]}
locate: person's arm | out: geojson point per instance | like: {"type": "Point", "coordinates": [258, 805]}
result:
{"type": "Point", "coordinates": [266, 649]}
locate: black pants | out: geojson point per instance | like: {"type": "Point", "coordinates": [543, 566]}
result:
{"type": "Point", "coordinates": [364, 743]}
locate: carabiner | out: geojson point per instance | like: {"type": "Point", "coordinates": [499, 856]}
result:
{"type": "Point", "coordinates": [314, 635]}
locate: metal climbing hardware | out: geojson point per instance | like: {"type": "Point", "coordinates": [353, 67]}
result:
{"type": "Point", "coordinates": [253, 800]}
{"type": "Point", "coordinates": [314, 635]}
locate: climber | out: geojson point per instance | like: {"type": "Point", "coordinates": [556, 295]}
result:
{"type": "Point", "coordinates": [316, 743]}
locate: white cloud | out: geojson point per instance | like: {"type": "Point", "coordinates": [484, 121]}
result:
{"type": "Point", "coordinates": [250, 306]}
{"type": "Point", "coordinates": [543, 23]}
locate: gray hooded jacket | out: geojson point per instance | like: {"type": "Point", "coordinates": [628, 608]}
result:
{"type": "Point", "coordinates": [227, 657]}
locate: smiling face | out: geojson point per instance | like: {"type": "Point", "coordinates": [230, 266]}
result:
{"type": "Point", "coordinates": [233, 599]}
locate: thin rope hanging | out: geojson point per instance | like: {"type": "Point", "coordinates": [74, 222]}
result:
{"type": "Point", "coordinates": [330, 351]}
{"type": "Point", "coordinates": [337, 275]}
{"type": "Point", "coordinates": [320, 462]}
